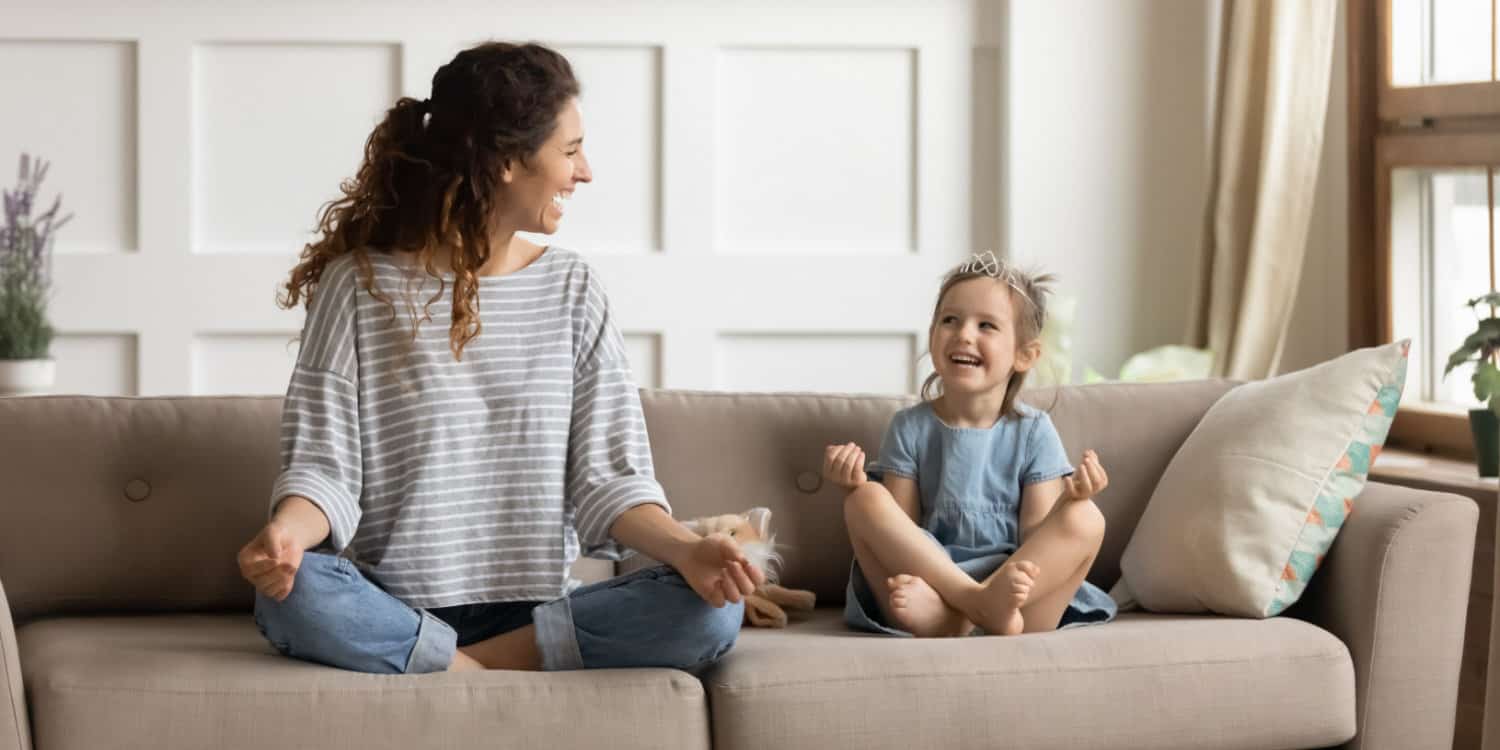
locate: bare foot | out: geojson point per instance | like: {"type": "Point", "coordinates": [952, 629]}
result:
{"type": "Point", "coordinates": [998, 605]}
{"type": "Point", "coordinates": [918, 609]}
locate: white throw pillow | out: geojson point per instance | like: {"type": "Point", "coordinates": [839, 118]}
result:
{"type": "Point", "coordinates": [1251, 502]}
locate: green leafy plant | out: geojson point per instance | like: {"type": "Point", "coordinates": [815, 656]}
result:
{"type": "Point", "coordinates": [1481, 348]}
{"type": "Point", "coordinates": [26, 266]}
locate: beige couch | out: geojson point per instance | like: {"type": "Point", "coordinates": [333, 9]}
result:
{"type": "Point", "coordinates": [129, 627]}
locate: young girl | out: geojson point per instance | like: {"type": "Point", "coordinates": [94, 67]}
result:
{"type": "Point", "coordinates": [978, 519]}
{"type": "Point", "coordinates": [461, 423]}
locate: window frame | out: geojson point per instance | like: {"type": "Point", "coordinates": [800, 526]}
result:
{"type": "Point", "coordinates": [1391, 127]}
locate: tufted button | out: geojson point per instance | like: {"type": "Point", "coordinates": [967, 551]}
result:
{"type": "Point", "coordinates": [137, 490]}
{"type": "Point", "coordinates": [809, 482]}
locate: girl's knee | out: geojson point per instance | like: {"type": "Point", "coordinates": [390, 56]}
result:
{"type": "Point", "coordinates": [1083, 519]}
{"type": "Point", "coordinates": [865, 497]}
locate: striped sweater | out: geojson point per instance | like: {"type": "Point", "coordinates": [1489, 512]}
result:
{"type": "Point", "coordinates": [476, 481]}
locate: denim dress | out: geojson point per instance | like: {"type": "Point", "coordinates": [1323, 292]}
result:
{"type": "Point", "coordinates": [970, 481]}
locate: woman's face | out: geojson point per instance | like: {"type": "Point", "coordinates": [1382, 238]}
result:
{"type": "Point", "coordinates": [536, 193]}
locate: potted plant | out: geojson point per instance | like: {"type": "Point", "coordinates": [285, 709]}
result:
{"type": "Point", "coordinates": [1482, 347]}
{"type": "Point", "coordinates": [25, 281]}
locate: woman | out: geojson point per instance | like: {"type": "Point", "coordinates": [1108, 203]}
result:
{"type": "Point", "coordinates": [461, 422]}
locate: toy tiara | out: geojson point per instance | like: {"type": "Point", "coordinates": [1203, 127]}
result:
{"type": "Point", "coordinates": [987, 264]}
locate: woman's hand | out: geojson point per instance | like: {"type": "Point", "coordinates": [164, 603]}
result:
{"type": "Point", "coordinates": [1088, 481]}
{"type": "Point", "coordinates": [844, 465]}
{"type": "Point", "coordinates": [270, 561]}
{"type": "Point", "coordinates": [717, 570]}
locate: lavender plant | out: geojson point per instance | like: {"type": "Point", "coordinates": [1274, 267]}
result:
{"type": "Point", "coordinates": [26, 265]}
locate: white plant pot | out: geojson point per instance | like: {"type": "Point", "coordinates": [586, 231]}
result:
{"type": "Point", "coordinates": [27, 377]}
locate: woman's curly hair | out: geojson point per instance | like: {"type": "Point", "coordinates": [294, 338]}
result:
{"type": "Point", "coordinates": [431, 171]}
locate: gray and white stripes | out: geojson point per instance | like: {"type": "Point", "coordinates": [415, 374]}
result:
{"type": "Point", "coordinates": [473, 481]}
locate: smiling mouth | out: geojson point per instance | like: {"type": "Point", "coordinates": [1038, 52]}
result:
{"type": "Point", "coordinates": [965, 361]}
{"type": "Point", "coordinates": [560, 202]}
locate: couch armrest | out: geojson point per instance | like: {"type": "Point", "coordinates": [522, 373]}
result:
{"type": "Point", "coordinates": [15, 729]}
{"type": "Point", "coordinates": [1395, 589]}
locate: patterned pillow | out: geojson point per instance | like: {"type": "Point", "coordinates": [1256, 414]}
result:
{"type": "Point", "coordinates": [1247, 508]}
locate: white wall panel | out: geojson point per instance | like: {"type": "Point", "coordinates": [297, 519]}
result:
{"type": "Point", "coordinates": [95, 364]}
{"type": "Point", "coordinates": [816, 150]}
{"type": "Point", "coordinates": [74, 104]}
{"type": "Point", "coordinates": [644, 350]}
{"type": "Point", "coordinates": [858, 363]}
{"type": "Point", "coordinates": [276, 128]}
{"type": "Point", "coordinates": [620, 211]}
{"type": "Point", "coordinates": [243, 363]}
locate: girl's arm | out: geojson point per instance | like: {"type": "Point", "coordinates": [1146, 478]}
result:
{"type": "Point", "coordinates": [905, 492]}
{"type": "Point", "coordinates": [1037, 500]}
{"type": "Point", "coordinates": [844, 465]}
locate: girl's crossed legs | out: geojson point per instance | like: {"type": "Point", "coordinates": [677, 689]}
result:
{"type": "Point", "coordinates": [918, 586]}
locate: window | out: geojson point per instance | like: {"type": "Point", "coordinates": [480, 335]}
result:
{"type": "Point", "coordinates": [1425, 144]}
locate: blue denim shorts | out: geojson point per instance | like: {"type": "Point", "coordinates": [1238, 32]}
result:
{"type": "Point", "coordinates": [649, 618]}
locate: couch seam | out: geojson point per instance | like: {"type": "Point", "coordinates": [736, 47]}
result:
{"type": "Point", "coordinates": [5, 663]}
{"type": "Point", "coordinates": [1008, 673]}
{"type": "Point", "coordinates": [338, 691]}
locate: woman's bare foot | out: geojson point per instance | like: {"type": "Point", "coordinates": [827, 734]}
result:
{"type": "Point", "coordinates": [998, 605]}
{"type": "Point", "coordinates": [919, 610]}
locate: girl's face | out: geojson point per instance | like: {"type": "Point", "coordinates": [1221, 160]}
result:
{"type": "Point", "coordinates": [973, 338]}
{"type": "Point", "coordinates": [536, 193]}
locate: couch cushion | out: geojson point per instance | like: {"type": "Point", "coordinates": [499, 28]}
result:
{"type": "Point", "coordinates": [1144, 681]}
{"type": "Point", "coordinates": [212, 681]}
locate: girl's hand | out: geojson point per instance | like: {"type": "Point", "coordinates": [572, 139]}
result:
{"type": "Point", "coordinates": [718, 571]}
{"type": "Point", "coordinates": [270, 561]}
{"type": "Point", "coordinates": [1088, 481]}
{"type": "Point", "coordinates": [844, 465]}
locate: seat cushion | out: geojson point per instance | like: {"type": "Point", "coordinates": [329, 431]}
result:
{"type": "Point", "coordinates": [211, 681]}
{"type": "Point", "coordinates": [1143, 681]}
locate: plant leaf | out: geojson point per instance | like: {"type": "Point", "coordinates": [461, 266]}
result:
{"type": "Point", "coordinates": [1487, 337]}
{"type": "Point", "coordinates": [1492, 299]}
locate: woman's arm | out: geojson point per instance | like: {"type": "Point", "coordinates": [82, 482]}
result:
{"type": "Point", "coordinates": [270, 560]}
{"type": "Point", "coordinates": [714, 566]}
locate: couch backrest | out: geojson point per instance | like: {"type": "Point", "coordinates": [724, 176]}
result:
{"type": "Point", "coordinates": [723, 452]}
{"type": "Point", "coordinates": [140, 504]}
{"type": "Point", "coordinates": [131, 503]}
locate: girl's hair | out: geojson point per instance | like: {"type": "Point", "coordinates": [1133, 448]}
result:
{"type": "Point", "coordinates": [1028, 295]}
{"type": "Point", "coordinates": [431, 174]}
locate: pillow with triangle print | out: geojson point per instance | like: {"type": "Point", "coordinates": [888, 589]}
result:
{"type": "Point", "coordinates": [1252, 500]}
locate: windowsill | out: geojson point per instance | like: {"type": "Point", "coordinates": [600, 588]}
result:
{"type": "Point", "coordinates": [1397, 466]}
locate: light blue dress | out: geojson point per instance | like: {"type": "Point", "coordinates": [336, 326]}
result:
{"type": "Point", "coordinates": [970, 481]}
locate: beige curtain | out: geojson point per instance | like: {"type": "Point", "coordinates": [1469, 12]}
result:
{"type": "Point", "coordinates": [1271, 98]}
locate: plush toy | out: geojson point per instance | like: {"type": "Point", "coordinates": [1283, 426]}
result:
{"type": "Point", "coordinates": [752, 529]}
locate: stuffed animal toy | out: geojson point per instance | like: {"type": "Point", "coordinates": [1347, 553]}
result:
{"type": "Point", "coordinates": [766, 608]}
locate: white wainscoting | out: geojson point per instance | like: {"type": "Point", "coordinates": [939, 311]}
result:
{"type": "Point", "coordinates": [778, 186]}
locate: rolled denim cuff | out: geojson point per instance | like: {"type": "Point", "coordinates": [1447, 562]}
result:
{"type": "Point", "coordinates": [436, 645]}
{"type": "Point", "coordinates": [556, 638]}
